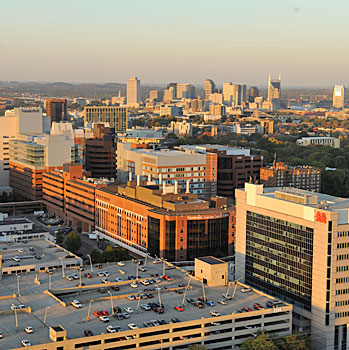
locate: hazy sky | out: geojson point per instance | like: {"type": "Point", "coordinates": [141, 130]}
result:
{"type": "Point", "coordinates": [162, 41]}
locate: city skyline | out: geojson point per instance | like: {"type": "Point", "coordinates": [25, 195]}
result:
{"type": "Point", "coordinates": [74, 42]}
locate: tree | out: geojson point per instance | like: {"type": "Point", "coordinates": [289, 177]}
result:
{"type": "Point", "coordinates": [298, 341]}
{"type": "Point", "coordinates": [111, 254]}
{"type": "Point", "coordinates": [73, 242]}
{"type": "Point", "coordinates": [262, 341]}
{"type": "Point", "coordinates": [59, 237]}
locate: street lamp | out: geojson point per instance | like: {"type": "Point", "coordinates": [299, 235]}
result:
{"type": "Point", "coordinates": [236, 284]}
{"type": "Point", "coordinates": [49, 281]}
{"type": "Point", "coordinates": [47, 307]}
{"type": "Point", "coordinates": [89, 256]}
{"type": "Point", "coordinates": [16, 319]}
{"type": "Point", "coordinates": [61, 259]}
{"type": "Point", "coordinates": [111, 302]}
{"type": "Point", "coordinates": [18, 277]}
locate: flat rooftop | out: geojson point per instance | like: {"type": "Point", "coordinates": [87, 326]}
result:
{"type": "Point", "coordinates": [211, 260]}
{"type": "Point", "coordinates": [75, 321]}
{"type": "Point", "coordinates": [48, 252]}
{"type": "Point", "coordinates": [14, 222]}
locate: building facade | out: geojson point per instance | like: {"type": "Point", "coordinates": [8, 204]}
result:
{"type": "Point", "coordinates": [56, 109]}
{"type": "Point", "coordinates": [168, 166]}
{"type": "Point", "coordinates": [164, 220]}
{"type": "Point", "coordinates": [69, 195]}
{"type": "Point", "coordinates": [209, 88]}
{"type": "Point", "coordinates": [281, 175]}
{"type": "Point", "coordinates": [235, 166]}
{"type": "Point", "coordinates": [133, 92]}
{"type": "Point", "coordinates": [294, 244]}
{"type": "Point", "coordinates": [274, 89]}
{"type": "Point", "coordinates": [338, 96]}
{"type": "Point", "coordinates": [115, 116]}
{"type": "Point", "coordinates": [319, 141]}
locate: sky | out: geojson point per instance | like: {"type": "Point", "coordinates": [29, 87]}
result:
{"type": "Point", "coordinates": [162, 41]}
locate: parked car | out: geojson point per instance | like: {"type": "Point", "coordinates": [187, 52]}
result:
{"type": "Point", "coordinates": [88, 275]}
{"type": "Point", "coordinates": [210, 303]}
{"type": "Point", "coordinates": [179, 308]}
{"type": "Point", "coordinates": [26, 342]}
{"type": "Point", "coordinates": [111, 329]}
{"type": "Point", "coordinates": [134, 285]}
{"type": "Point", "coordinates": [145, 307]}
{"type": "Point", "coordinates": [88, 333]}
{"type": "Point", "coordinates": [258, 306]}
{"type": "Point", "coordinates": [222, 302]}
{"type": "Point", "coordinates": [132, 326]}
{"type": "Point", "coordinates": [116, 288]}
{"type": "Point", "coordinates": [129, 310]}
{"type": "Point", "coordinates": [120, 263]}
{"type": "Point", "coordinates": [118, 279]}
{"type": "Point", "coordinates": [104, 318]}
{"type": "Point", "coordinates": [29, 330]}
{"type": "Point", "coordinates": [76, 303]}
{"type": "Point", "coordinates": [215, 313]}
{"type": "Point", "coordinates": [246, 290]}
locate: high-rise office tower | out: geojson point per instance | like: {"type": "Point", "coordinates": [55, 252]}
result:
{"type": "Point", "coordinates": [185, 91]}
{"type": "Point", "coordinates": [274, 89]}
{"type": "Point", "coordinates": [56, 109]}
{"type": "Point", "coordinates": [338, 96]}
{"type": "Point", "coordinates": [115, 116]}
{"type": "Point", "coordinates": [209, 88]}
{"type": "Point", "coordinates": [133, 91]}
{"type": "Point", "coordinates": [234, 93]}
{"type": "Point", "coordinates": [253, 93]}
{"type": "Point", "coordinates": [174, 86]}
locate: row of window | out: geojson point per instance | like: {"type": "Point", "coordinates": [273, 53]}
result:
{"type": "Point", "coordinates": [342, 280]}
{"type": "Point", "coordinates": [342, 303]}
{"type": "Point", "coordinates": [342, 257]}
{"type": "Point", "coordinates": [342, 268]}
{"type": "Point", "coordinates": [342, 291]}
{"type": "Point", "coordinates": [342, 314]}
{"type": "Point", "coordinates": [342, 245]}
{"type": "Point", "coordinates": [343, 233]}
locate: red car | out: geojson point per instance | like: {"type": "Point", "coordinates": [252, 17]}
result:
{"type": "Point", "coordinates": [167, 278]}
{"type": "Point", "coordinates": [258, 306]}
{"type": "Point", "coordinates": [104, 313]}
{"type": "Point", "coordinates": [97, 313]}
{"type": "Point", "coordinates": [88, 275]}
{"type": "Point", "coordinates": [179, 308]}
{"type": "Point", "coordinates": [247, 309]}
{"type": "Point", "coordinates": [115, 288]}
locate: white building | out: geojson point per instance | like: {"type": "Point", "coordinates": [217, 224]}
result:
{"type": "Point", "coordinates": [319, 141]}
{"type": "Point", "coordinates": [133, 92]}
{"type": "Point", "coordinates": [170, 111]}
{"type": "Point", "coordinates": [16, 121]}
{"type": "Point", "coordinates": [185, 91]}
{"type": "Point", "coordinates": [181, 128]}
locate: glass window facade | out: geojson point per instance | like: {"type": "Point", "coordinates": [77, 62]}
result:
{"type": "Point", "coordinates": [207, 237]}
{"type": "Point", "coordinates": [153, 236]}
{"type": "Point", "coordinates": [279, 258]}
{"type": "Point", "coordinates": [170, 240]}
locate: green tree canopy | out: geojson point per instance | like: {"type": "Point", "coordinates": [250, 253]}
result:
{"type": "Point", "coordinates": [73, 242]}
{"type": "Point", "coordinates": [262, 341]}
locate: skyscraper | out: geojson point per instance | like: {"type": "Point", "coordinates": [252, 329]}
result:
{"type": "Point", "coordinates": [133, 91]}
{"type": "Point", "coordinates": [253, 93]}
{"type": "Point", "coordinates": [234, 93]}
{"type": "Point", "coordinates": [338, 96]}
{"type": "Point", "coordinates": [56, 109]}
{"type": "Point", "coordinates": [209, 88]}
{"type": "Point", "coordinates": [274, 89]}
{"type": "Point", "coordinates": [185, 91]}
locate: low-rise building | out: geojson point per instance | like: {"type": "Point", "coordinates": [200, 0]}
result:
{"type": "Point", "coordinates": [281, 175]}
{"type": "Point", "coordinates": [319, 141]}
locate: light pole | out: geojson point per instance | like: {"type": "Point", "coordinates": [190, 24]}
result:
{"type": "Point", "coordinates": [163, 267]}
{"type": "Point", "coordinates": [16, 319]}
{"type": "Point", "coordinates": [186, 289]}
{"type": "Point", "coordinates": [111, 302]}
{"type": "Point", "coordinates": [80, 278]}
{"type": "Point", "coordinates": [47, 307]}
{"type": "Point", "coordinates": [203, 291]}
{"type": "Point", "coordinates": [89, 256]}
{"type": "Point", "coordinates": [18, 277]}
{"type": "Point", "coordinates": [236, 284]}
{"type": "Point", "coordinates": [137, 271]}
{"type": "Point", "coordinates": [49, 281]}
{"type": "Point", "coordinates": [61, 259]}
{"type": "Point", "coordinates": [146, 259]}
{"type": "Point", "coordinates": [89, 310]}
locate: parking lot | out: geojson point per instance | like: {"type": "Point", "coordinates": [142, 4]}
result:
{"type": "Point", "coordinates": [76, 321]}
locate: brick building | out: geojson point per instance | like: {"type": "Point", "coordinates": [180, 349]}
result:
{"type": "Point", "coordinates": [69, 195]}
{"type": "Point", "coordinates": [281, 175]}
{"type": "Point", "coordinates": [164, 220]}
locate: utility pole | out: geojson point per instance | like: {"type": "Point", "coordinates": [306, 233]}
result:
{"type": "Point", "coordinates": [16, 320]}
{"type": "Point", "coordinates": [88, 312]}
{"type": "Point", "coordinates": [185, 292]}
{"type": "Point", "coordinates": [47, 307]}
{"type": "Point", "coordinates": [89, 256]}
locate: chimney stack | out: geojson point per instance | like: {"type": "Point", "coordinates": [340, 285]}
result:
{"type": "Point", "coordinates": [187, 189]}
{"type": "Point", "coordinates": [130, 176]}
{"type": "Point", "coordinates": [176, 187]}
{"type": "Point", "coordinates": [138, 180]}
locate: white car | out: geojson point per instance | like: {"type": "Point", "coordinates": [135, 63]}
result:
{"type": "Point", "coordinates": [132, 326]}
{"type": "Point", "coordinates": [105, 280]}
{"type": "Point", "coordinates": [28, 330]}
{"type": "Point", "coordinates": [134, 285]}
{"type": "Point", "coordinates": [128, 309]}
{"type": "Point", "coordinates": [0, 335]}
{"type": "Point", "coordinates": [20, 250]}
{"type": "Point", "coordinates": [222, 302]}
{"type": "Point", "coordinates": [16, 259]}
{"type": "Point", "coordinates": [69, 278]}
{"type": "Point", "coordinates": [145, 282]}
{"type": "Point", "coordinates": [118, 279]}
{"type": "Point", "coordinates": [246, 290]}
{"type": "Point", "coordinates": [21, 306]}
{"type": "Point", "coordinates": [143, 269]}
{"type": "Point", "coordinates": [106, 273]}
{"type": "Point", "coordinates": [146, 307]}
{"type": "Point", "coordinates": [215, 313]}
{"type": "Point", "coordinates": [104, 318]}
{"type": "Point", "coordinates": [75, 276]}
{"type": "Point", "coordinates": [120, 263]}
{"type": "Point", "coordinates": [111, 329]}
{"type": "Point", "coordinates": [76, 303]}
{"type": "Point", "coordinates": [101, 274]}
{"type": "Point", "coordinates": [14, 307]}
{"type": "Point", "coordinates": [26, 342]}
